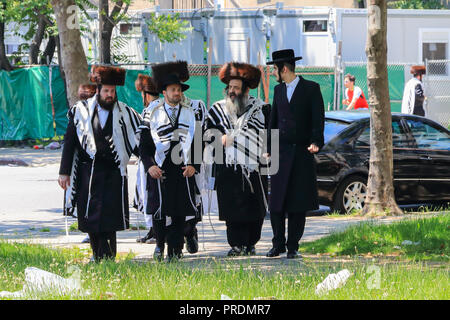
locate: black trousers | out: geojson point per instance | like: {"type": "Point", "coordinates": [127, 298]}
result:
{"type": "Point", "coordinates": [244, 233]}
{"type": "Point", "coordinates": [103, 244]}
{"type": "Point", "coordinates": [296, 227]}
{"type": "Point", "coordinates": [173, 234]}
{"type": "Point", "coordinates": [190, 229]}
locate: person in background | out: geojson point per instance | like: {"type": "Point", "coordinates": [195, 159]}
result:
{"type": "Point", "coordinates": [354, 97]}
{"type": "Point", "coordinates": [86, 91]}
{"type": "Point", "coordinates": [150, 97]}
{"type": "Point", "coordinates": [413, 95]}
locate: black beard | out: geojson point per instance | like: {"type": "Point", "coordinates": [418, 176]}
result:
{"type": "Point", "coordinates": [106, 105]}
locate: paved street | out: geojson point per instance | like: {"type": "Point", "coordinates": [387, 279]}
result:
{"type": "Point", "coordinates": [31, 210]}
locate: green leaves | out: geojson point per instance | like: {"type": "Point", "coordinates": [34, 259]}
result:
{"type": "Point", "coordinates": [168, 28]}
{"type": "Point", "coordinates": [416, 4]}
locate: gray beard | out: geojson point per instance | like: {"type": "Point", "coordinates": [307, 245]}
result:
{"type": "Point", "coordinates": [236, 108]}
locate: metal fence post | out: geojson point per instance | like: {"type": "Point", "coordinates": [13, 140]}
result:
{"type": "Point", "coordinates": [208, 96]}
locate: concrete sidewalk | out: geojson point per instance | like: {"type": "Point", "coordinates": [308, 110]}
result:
{"type": "Point", "coordinates": [31, 211]}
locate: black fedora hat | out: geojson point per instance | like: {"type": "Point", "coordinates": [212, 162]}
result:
{"type": "Point", "coordinates": [286, 55]}
{"type": "Point", "coordinates": [173, 79]}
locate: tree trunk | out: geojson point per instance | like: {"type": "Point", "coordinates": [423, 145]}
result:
{"type": "Point", "coordinates": [380, 198]}
{"type": "Point", "coordinates": [37, 40]}
{"type": "Point", "coordinates": [72, 53]}
{"type": "Point", "coordinates": [49, 50]}
{"type": "Point", "coordinates": [105, 36]}
{"type": "Point", "coordinates": [107, 22]}
{"type": "Point", "coordinates": [4, 62]}
{"type": "Point", "coordinates": [61, 69]}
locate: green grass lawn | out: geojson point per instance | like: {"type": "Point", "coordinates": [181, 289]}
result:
{"type": "Point", "coordinates": [431, 235]}
{"type": "Point", "coordinates": [238, 279]}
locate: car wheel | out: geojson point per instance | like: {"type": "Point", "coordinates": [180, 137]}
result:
{"type": "Point", "coordinates": [350, 194]}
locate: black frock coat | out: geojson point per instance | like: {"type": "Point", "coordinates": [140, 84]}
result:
{"type": "Point", "coordinates": [300, 123]}
{"type": "Point", "coordinates": [108, 205]}
{"type": "Point", "coordinates": [178, 195]}
{"type": "Point", "coordinates": [237, 202]}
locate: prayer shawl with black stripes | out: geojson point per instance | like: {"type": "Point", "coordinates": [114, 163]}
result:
{"type": "Point", "coordinates": [141, 194]}
{"type": "Point", "coordinates": [244, 131]}
{"type": "Point", "coordinates": [246, 149]}
{"type": "Point", "coordinates": [140, 197]}
{"type": "Point", "coordinates": [124, 138]}
{"type": "Point", "coordinates": [162, 133]}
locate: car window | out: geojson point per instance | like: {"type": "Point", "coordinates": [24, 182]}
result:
{"type": "Point", "coordinates": [399, 138]}
{"type": "Point", "coordinates": [332, 128]}
{"type": "Point", "coordinates": [427, 136]}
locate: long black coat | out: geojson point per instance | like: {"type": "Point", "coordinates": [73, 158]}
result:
{"type": "Point", "coordinates": [235, 199]}
{"type": "Point", "coordinates": [300, 123]}
{"type": "Point", "coordinates": [177, 199]}
{"type": "Point", "coordinates": [108, 205]}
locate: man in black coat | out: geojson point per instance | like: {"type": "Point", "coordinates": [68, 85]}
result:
{"type": "Point", "coordinates": [100, 138]}
{"type": "Point", "coordinates": [298, 114]}
{"type": "Point", "coordinates": [237, 121]}
{"type": "Point", "coordinates": [166, 151]}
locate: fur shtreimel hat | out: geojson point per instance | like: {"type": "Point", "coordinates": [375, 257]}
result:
{"type": "Point", "coordinates": [161, 70]}
{"type": "Point", "coordinates": [86, 91]}
{"type": "Point", "coordinates": [237, 70]}
{"type": "Point", "coordinates": [109, 75]}
{"type": "Point", "coordinates": [145, 83]}
{"type": "Point", "coordinates": [418, 70]}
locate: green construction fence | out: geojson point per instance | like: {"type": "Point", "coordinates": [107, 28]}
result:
{"type": "Point", "coordinates": [26, 106]}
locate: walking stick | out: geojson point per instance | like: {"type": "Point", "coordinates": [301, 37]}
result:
{"type": "Point", "coordinates": [65, 216]}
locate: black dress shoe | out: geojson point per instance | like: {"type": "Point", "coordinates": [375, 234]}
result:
{"type": "Point", "coordinates": [293, 255]}
{"type": "Point", "coordinates": [275, 252]}
{"type": "Point", "coordinates": [191, 244]}
{"type": "Point", "coordinates": [158, 254]}
{"type": "Point", "coordinates": [235, 251]}
{"type": "Point", "coordinates": [148, 238]}
{"type": "Point", "coordinates": [250, 250]}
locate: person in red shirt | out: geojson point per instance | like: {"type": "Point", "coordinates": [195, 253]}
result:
{"type": "Point", "coordinates": [354, 97]}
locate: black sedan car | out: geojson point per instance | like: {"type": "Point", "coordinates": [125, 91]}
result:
{"type": "Point", "coordinates": [421, 150]}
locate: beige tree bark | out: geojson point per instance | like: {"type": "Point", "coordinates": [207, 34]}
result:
{"type": "Point", "coordinates": [74, 63]}
{"type": "Point", "coordinates": [380, 198]}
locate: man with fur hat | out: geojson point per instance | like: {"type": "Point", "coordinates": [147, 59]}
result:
{"type": "Point", "coordinates": [100, 138]}
{"type": "Point", "coordinates": [298, 113]}
{"type": "Point", "coordinates": [238, 121]}
{"type": "Point", "coordinates": [413, 97]}
{"type": "Point", "coordinates": [180, 68]}
{"type": "Point", "coordinates": [166, 150]}
{"type": "Point", "coordinates": [150, 96]}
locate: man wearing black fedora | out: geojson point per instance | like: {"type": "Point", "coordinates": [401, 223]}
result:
{"type": "Point", "coordinates": [166, 151]}
{"type": "Point", "coordinates": [298, 113]}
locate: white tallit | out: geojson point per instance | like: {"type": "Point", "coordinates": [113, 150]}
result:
{"type": "Point", "coordinates": [124, 139]}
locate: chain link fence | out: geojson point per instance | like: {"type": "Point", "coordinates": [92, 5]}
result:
{"type": "Point", "coordinates": [437, 91]}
